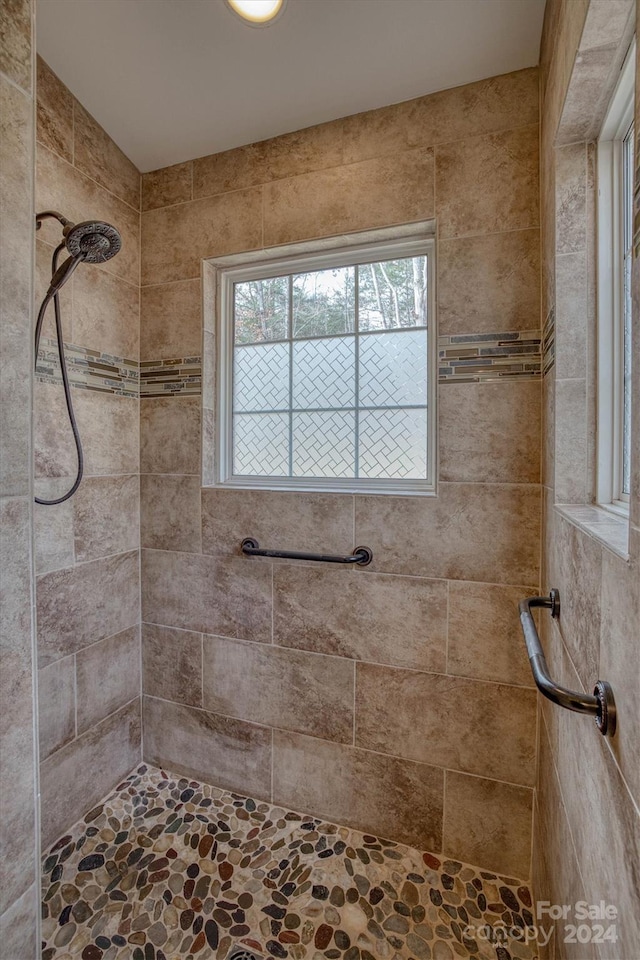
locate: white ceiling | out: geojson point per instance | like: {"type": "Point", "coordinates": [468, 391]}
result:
{"type": "Point", "coordinates": [171, 80]}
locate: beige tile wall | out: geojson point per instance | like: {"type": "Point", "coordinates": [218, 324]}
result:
{"type": "Point", "coordinates": [19, 841]}
{"type": "Point", "coordinates": [587, 829]}
{"type": "Point", "coordinates": [87, 550]}
{"type": "Point", "coordinates": [396, 699]}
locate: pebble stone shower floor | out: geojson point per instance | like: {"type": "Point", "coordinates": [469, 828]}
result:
{"type": "Point", "coordinates": [171, 868]}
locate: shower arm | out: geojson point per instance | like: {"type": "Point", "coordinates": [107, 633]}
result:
{"type": "Point", "coordinates": [600, 705]}
{"type": "Point", "coordinates": [51, 215]}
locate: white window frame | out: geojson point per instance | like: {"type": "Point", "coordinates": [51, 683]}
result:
{"type": "Point", "coordinates": [611, 228]}
{"type": "Point", "coordinates": [319, 257]}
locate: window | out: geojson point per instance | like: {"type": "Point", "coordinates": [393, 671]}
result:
{"type": "Point", "coordinates": [615, 252]}
{"type": "Point", "coordinates": [327, 371]}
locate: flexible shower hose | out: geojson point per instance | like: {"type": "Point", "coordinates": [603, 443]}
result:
{"type": "Point", "coordinates": [52, 294]}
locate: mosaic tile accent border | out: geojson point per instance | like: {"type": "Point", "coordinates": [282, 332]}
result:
{"type": "Point", "coordinates": [161, 378]}
{"type": "Point", "coordinates": [549, 343]}
{"type": "Point", "coordinates": [168, 867]}
{"type": "Point", "coordinates": [88, 369]}
{"type": "Point", "coordinates": [484, 357]}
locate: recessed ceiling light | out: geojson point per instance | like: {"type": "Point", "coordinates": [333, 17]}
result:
{"type": "Point", "coordinates": [258, 13]}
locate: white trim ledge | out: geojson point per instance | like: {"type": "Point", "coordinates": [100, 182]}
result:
{"type": "Point", "coordinates": [610, 529]}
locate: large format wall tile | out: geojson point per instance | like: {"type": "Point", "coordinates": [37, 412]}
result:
{"type": "Point", "coordinates": [485, 638]}
{"type": "Point", "coordinates": [56, 705]}
{"type": "Point", "coordinates": [18, 927]}
{"type": "Point", "coordinates": [384, 796]}
{"type": "Point", "coordinates": [53, 526]}
{"type": "Point", "coordinates": [170, 512]}
{"type": "Point", "coordinates": [578, 575]}
{"type": "Point", "coordinates": [489, 283]}
{"type": "Point", "coordinates": [170, 435]}
{"type": "Point", "coordinates": [226, 597]}
{"type": "Point", "coordinates": [109, 427]}
{"type": "Point", "coordinates": [106, 313]}
{"type": "Point", "coordinates": [306, 522]}
{"type": "Point", "coordinates": [488, 184]}
{"type": "Point", "coordinates": [489, 823]}
{"type": "Point", "coordinates": [97, 156]}
{"type": "Point", "coordinates": [169, 185]}
{"type": "Point", "coordinates": [360, 196]}
{"type": "Point", "coordinates": [571, 445]}
{"type": "Point", "coordinates": [490, 432]}
{"type": "Point", "coordinates": [60, 184]}
{"type": "Point", "coordinates": [171, 320]}
{"type": "Point", "coordinates": [54, 449]}
{"type": "Point", "coordinates": [17, 803]}
{"type": "Point", "coordinates": [175, 239]}
{"type": "Point", "coordinates": [15, 49]}
{"type": "Point", "coordinates": [490, 728]}
{"type": "Point", "coordinates": [54, 112]}
{"type": "Point", "coordinates": [470, 531]}
{"type": "Point", "coordinates": [399, 620]}
{"type": "Point", "coordinates": [226, 752]}
{"type": "Point", "coordinates": [499, 103]}
{"type": "Point", "coordinates": [16, 239]}
{"type": "Point", "coordinates": [107, 677]}
{"type": "Point", "coordinates": [290, 689]}
{"type": "Point", "coordinates": [86, 603]}
{"type": "Point", "coordinates": [303, 151]}
{"type": "Point", "coordinates": [109, 750]}
{"type": "Point", "coordinates": [620, 617]}
{"type": "Point", "coordinates": [105, 516]}
{"type": "Point", "coordinates": [172, 664]}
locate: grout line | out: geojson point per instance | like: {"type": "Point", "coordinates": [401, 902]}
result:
{"type": "Point", "coordinates": [265, 645]}
{"type": "Point", "coordinates": [340, 744]}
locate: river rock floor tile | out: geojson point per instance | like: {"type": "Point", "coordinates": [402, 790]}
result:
{"type": "Point", "coordinates": [167, 868]}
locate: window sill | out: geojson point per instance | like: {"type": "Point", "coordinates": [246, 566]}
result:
{"type": "Point", "coordinates": [611, 529]}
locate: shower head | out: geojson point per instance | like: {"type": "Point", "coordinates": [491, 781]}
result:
{"type": "Point", "coordinates": [92, 240]}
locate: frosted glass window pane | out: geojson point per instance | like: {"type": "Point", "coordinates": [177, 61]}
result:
{"type": "Point", "coordinates": [261, 309]}
{"type": "Point", "coordinates": [393, 444]}
{"type": "Point", "coordinates": [261, 444]}
{"type": "Point", "coordinates": [261, 377]}
{"type": "Point", "coordinates": [392, 294]}
{"type": "Point", "coordinates": [324, 444]}
{"type": "Point", "coordinates": [393, 369]}
{"type": "Point", "coordinates": [324, 302]}
{"type": "Point", "coordinates": [324, 373]}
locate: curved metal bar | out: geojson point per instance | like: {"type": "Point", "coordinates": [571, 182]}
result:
{"type": "Point", "coordinates": [361, 555]}
{"type": "Point", "coordinates": [600, 705]}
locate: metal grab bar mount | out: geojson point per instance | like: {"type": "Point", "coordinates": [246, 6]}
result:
{"type": "Point", "coordinates": [361, 555]}
{"type": "Point", "coordinates": [601, 705]}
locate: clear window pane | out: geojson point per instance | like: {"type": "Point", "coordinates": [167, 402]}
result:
{"type": "Point", "coordinates": [261, 310]}
{"type": "Point", "coordinates": [393, 444]}
{"type": "Point", "coordinates": [261, 377]}
{"type": "Point", "coordinates": [261, 444]}
{"type": "Point", "coordinates": [324, 302]}
{"type": "Point", "coordinates": [393, 369]}
{"type": "Point", "coordinates": [324, 444]}
{"type": "Point", "coordinates": [324, 373]}
{"type": "Point", "coordinates": [392, 294]}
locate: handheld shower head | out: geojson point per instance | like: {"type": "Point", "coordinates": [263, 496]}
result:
{"type": "Point", "coordinates": [93, 240]}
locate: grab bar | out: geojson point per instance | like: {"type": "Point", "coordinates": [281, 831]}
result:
{"type": "Point", "coordinates": [361, 555]}
{"type": "Point", "coordinates": [601, 705]}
